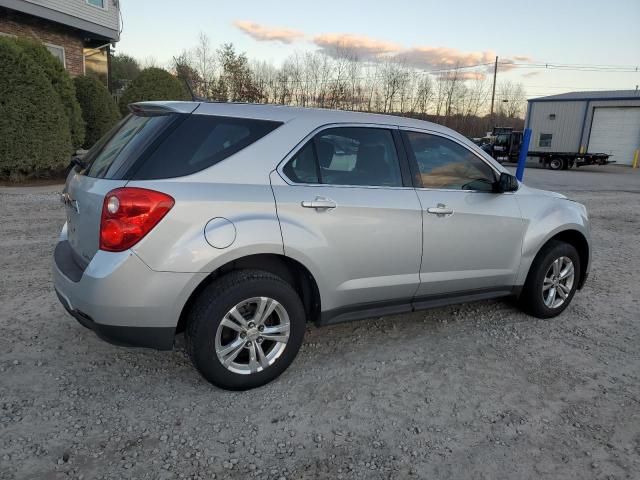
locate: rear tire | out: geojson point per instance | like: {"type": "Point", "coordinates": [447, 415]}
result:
{"type": "Point", "coordinates": [556, 163]}
{"type": "Point", "coordinates": [228, 341]}
{"type": "Point", "coordinates": [555, 272]}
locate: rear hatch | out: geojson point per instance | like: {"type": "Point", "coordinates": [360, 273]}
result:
{"type": "Point", "coordinates": [106, 166]}
{"type": "Point", "coordinates": [157, 141]}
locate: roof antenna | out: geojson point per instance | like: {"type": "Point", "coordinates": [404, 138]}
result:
{"type": "Point", "coordinates": [186, 81]}
{"type": "Point", "coordinates": [194, 97]}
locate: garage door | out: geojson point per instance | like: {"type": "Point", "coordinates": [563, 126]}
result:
{"type": "Point", "coordinates": [616, 131]}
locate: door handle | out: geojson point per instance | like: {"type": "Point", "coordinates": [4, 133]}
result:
{"type": "Point", "coordinates": [440, 210]}
{"type": "Point", "coordinates": [319, 203]}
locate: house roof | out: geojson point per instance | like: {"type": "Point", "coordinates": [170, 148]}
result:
{"type": "Point", "coordinates": [591, 95]}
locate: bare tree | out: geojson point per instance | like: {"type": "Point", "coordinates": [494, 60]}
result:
{"type": "Point", "coordinates": [341, 79]}
{"type": "Point", "coordinates": [512, 99]}
{"type": "Point", "coordinates": [203, 60]}
{"type": "Point", "coordinates": [423, 94]}
{"type": "Point", "coordinates": [150, 62]}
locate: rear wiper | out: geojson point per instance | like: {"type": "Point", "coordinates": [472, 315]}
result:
{"type": "Point", "coordinates": [76, 161]}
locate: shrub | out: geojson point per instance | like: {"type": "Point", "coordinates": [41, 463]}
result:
{"type": "Point", "coordinates": [99, 111]}
{"type": "Point", "coordinates": [124, 69]}
{"type": "Point", "coordinates": [34, 131]}
{"type": "Point", "coordinates": [153, 84]}
{"type": "Point", "coordinates": [62, 84]}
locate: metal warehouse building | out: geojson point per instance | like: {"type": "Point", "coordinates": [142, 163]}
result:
{"type": "Point", "coordinates": [594, 122]}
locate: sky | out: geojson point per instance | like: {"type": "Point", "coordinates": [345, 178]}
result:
{"type": "Point", "coordinates": [427, 34]}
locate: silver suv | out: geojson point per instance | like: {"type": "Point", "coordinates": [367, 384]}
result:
{"type": "Point", "coordinates": [237, 224]}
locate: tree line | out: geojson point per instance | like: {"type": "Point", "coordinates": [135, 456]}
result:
{"type": "Point", "coordinates": [455, 97]}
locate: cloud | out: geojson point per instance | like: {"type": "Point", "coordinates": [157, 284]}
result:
{"type": "Point", "coordinates": [507, 64]}
{"type": "Point", "coordinates": [346, 44]}
{"type": "Point", "coordinates": [425, 57]}
{"type": "Point", "coordinates": [443, 57]}
{"type": "Point", "coordinates": [264, 33]}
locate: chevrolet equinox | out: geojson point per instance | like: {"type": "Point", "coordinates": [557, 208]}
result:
{"type": "Point", "coordinates": [237, 224]}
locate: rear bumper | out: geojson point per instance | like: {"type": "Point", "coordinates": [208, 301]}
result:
{"type": "Point", "coordinates": [121, 299]}
{"type": "Point", "coordinates": [160, 338]}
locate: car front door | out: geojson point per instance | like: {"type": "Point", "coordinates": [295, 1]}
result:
{"type": "Point", "coordinates": [472, 236]}
{"type": "Point", "coordinates": [347, 211]}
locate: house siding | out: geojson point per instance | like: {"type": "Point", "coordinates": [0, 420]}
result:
{"type": "Point", "coordinates": [21, 25]}
{"type": "Point", "coordinates": [108, 17]}
{"type": "Point", "coordinates": [97, 23]}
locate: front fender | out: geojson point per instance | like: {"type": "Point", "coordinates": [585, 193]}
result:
{"type": "Point", "coordinates": [547, 217]}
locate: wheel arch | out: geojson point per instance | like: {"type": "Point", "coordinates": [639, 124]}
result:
{"type": "Point", "coordinates": [290, 270]}
{"type": "Point", "coordinates": [581, 244]}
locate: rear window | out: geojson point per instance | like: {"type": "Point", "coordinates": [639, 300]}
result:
{"type": "Point", "coordinates": [199, 142]}
{"type": "Point", "coordinates": [117, 150]}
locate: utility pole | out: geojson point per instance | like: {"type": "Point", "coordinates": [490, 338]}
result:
{"type": "Point", "coordinates": [493, 95]}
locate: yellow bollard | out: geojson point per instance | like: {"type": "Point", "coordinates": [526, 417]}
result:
{"type": "Point", "coordinates": [635, 159]}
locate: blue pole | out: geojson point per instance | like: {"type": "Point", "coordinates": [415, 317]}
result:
{"type": "Point", "coordinates": [524, 149]}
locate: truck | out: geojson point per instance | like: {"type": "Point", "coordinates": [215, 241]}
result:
{"type": "Point", "coordinates": [505, 145]}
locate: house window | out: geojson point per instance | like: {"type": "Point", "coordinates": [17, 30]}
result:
{"type": "Point", "coordinates": [57, 52]}
{"type": "Point", "coordinates": [545, 140]}
{"type": "Point", "coordinates": [98, 3]}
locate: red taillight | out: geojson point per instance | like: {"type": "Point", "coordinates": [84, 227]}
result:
{"type": "Point", "coordinates": [128, 214]}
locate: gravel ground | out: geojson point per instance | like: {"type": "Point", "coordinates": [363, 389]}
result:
{"type": "Point", "coordinates": [477, 391]}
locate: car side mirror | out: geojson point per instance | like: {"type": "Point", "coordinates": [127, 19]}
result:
{"type": "Point", "coordinates": [506, 183]}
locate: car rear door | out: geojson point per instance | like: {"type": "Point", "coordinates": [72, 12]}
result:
{"type": "Point", "coordinates": [348, 212]}
{"type": "Point", "coordinates": [472, 236]}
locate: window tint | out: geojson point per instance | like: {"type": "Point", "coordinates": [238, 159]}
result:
{"type": "Point", "coordinates": [199, 142]}
{"type": "Point", "coordinates": [443, 163]}
{"type": "Point", "coordinates": [123, 144]}
{"type": "Point", "coordinates": [303, 168]}
{"type": "Point", "coordinates": [545, 140]}
{"type": "Point", "coordinates": [358, 156]}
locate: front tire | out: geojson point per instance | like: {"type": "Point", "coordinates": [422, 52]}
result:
{"type": "Point", "coordinates": [552, 280]}
{"type": "Point", "coordinates": [245, 329]}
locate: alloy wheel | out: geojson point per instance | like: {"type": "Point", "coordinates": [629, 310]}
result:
{"type": "Point", "coordinates": [558, 282]}
{"type": "Point", "coordinates": [252, 335]}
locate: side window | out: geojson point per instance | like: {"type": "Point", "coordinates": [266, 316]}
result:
{"type": "Point", "coordinates": [303, 167]}
{"type": "Point", "coordinates": [201, 141]}
{"type": "Point", "coordinates": [358, 156]}
{"type": "Point", "coordinates": [443, 163]}
{"type": "Point", "coordinates": [347, 156]}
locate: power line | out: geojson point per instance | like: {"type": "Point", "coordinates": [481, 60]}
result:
{"type": "Point", "coordinates": [575, 68]}
{"type": "Point", "coordinates": [591, 65]}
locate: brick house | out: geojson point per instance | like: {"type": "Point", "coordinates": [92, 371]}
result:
{"type": "Point", "coordinates": [78, 32]}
